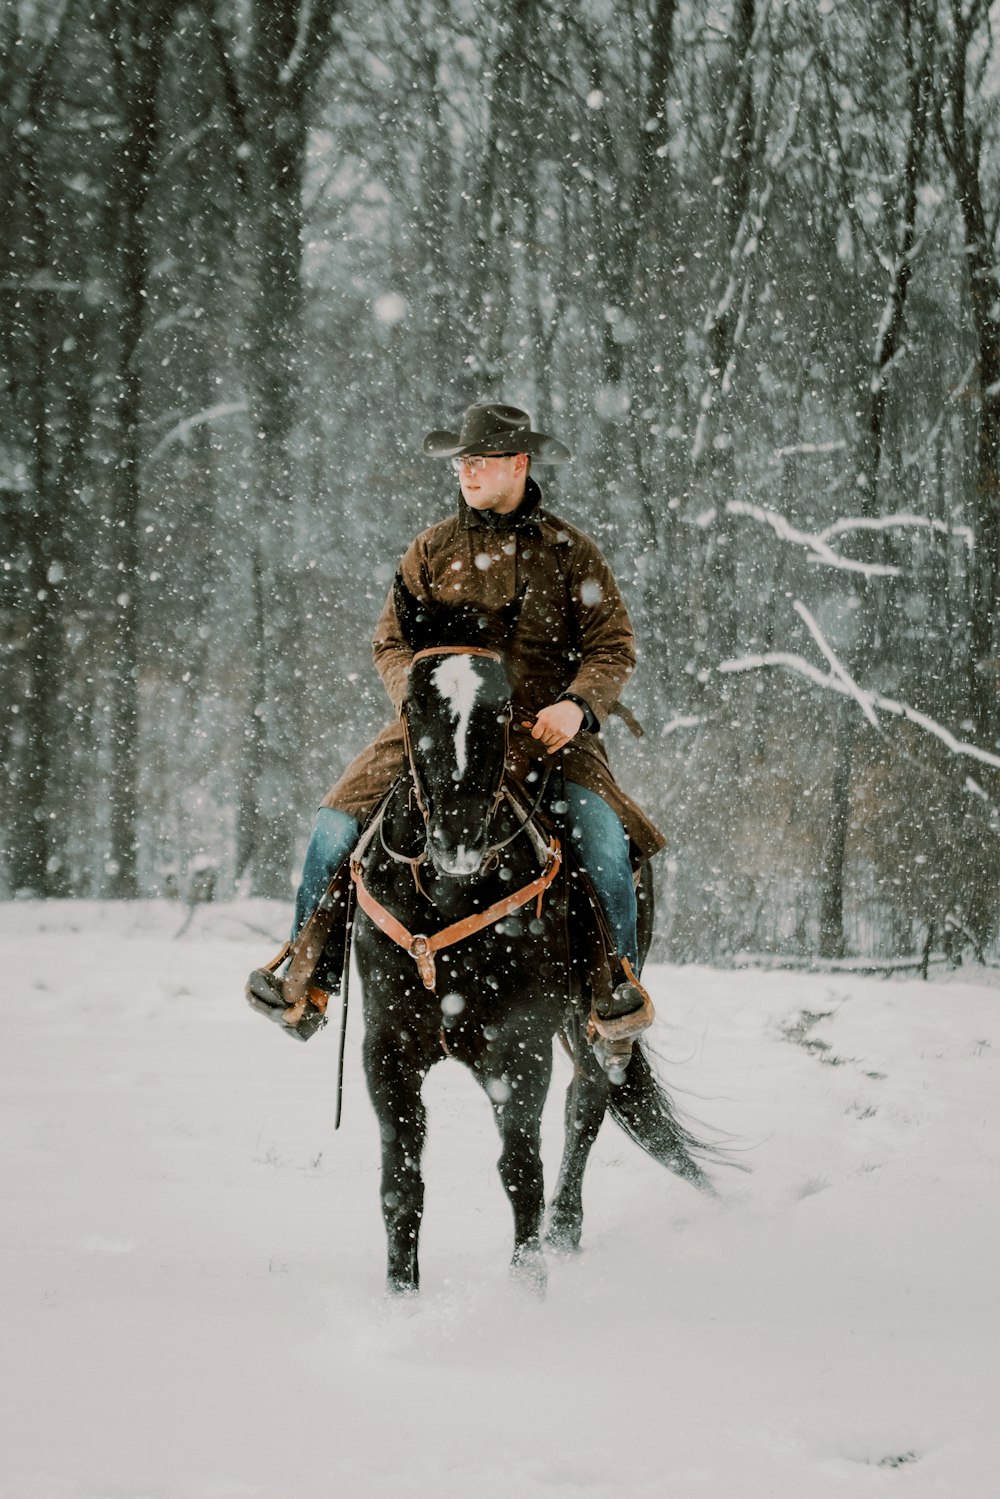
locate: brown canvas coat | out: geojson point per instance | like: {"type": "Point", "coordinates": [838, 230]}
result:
{"type": "Point", "coordinates": [573, 635]}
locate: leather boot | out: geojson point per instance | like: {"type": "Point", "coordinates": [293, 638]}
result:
{"type": "Point", "coordinates": [300, 1017]}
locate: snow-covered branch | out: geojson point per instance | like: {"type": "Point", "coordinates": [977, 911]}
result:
{"type": "Point", "coordinates": [896, 522]}
{"type": "Point", "coordinates": [681, 721]}
{"type": "Point", "coordinates": [836, 683]}
{"type": "Point", "coordinates": [813, 543]}
{"type": "Point", "coordinates": [808, 449]}
{"type": "Point", "coordinates": [789, 660]}
{"type": "Point", "coordinates": [836, 666]}
{"type": "Point", "coordinates": [183, 429]}
{"type": "Point", "coordinates": [315, 24]}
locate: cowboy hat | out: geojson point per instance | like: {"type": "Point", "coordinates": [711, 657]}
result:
{"type": "Point", "coordinates": [495, 429]}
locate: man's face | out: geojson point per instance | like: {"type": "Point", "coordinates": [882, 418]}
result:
{"type": "Point", "coordinates": [496, 484]}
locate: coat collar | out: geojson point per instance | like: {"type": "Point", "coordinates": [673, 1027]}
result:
{"type": "Point", "coordinates": [488, 520]}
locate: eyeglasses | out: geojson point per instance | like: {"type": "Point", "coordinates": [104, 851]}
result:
{"type": "Point", "coordinates": [476, 462]}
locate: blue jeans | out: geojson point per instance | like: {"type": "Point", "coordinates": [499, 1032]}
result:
{"type": "Point", "coordinates": [333, 837]}
{"type": "Point", "coordinates": [601, 845]}
{"type": "Point", "coordinates": [599, 839]}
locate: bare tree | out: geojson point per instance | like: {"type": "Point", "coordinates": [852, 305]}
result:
{"type": "Point", "coordinates": [267, 79]}
{"type": "Point", "coordinates": [892, 244]}
{"type": "Point", "coordinates": [137, 34]}
{"type": "Point", "coordinates": [36, 532]}
{"type": "Point", "coordinates": [967, 50]}
{"type": "Point", "coordinates": [749, 164]}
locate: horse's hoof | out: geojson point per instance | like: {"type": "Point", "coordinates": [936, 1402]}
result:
{"type": "Point", "coordinates": [563, 1239]}
{"type": "Point", "coordinates": [563, 1228]}
{"type": "Point", "coordinates": [529, 1273]}
{"type": "Point", "coordinates": [399, 1290]}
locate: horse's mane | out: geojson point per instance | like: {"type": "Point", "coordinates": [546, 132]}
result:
{"type": "Point", "coordinates": [426, 623]}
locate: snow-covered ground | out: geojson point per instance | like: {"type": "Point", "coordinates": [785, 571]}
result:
{"type": "Point", "coordinates": [191, 1260]}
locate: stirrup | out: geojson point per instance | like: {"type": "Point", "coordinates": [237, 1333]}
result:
{"type": "Point", "coordinates": [264, 989]}
{"type": "Point", "coordinates": [631, 1012]}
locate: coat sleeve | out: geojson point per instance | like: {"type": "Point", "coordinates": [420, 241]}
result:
{"type": "Point", "coordinates": [390, 652]}
{"type": "Point", "coordinates": [604, 630]}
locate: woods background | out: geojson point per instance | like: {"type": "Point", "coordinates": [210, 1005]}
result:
{"type": "Point", "coordinates": [742, 257]}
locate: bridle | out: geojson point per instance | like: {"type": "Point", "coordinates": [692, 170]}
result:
{"type": "Point", "coordinates": [420, 795]}
{"type": "Point", "coordinates": [419, 792]}
{"type": "Point", "coordinates": [423, 948]}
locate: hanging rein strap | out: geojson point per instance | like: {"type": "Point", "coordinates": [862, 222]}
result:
{"type": "Point", "coordinates": [421, 948]}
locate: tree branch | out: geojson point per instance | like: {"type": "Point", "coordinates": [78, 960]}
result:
{"type": "Point", "coordinates": [799, 665]}
{"type": "Point", "coordinates": [836, 666]}
{"type": "Point", "coordinates": [850, 523]}
{"type": "Point", "coordinates": [317, 20]}
{"type": "Point", "coordinates": [814, 544]}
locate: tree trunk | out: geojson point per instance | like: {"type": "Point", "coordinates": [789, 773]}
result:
{"type": "Point", "coordinates": [35, 834]}
{"type": "Point", "coordinates": [267, 102]}
{"type": "Point", "coordinates": [137, 35]}
{"type": "Point", "coordinates": [832, 857]}
{"type": "Point", "coordinates": [713, 457]}
{"type": "Point", "coordinates": [35, 860]}
{"type": "Point", "coordinates": [270, 809]}
{"type": "Point", "coordinates": [873, 640]}
{"type": "Point", "coordinates": [962, 145]}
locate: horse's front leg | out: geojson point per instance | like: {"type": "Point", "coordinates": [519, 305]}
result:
{"type": "Point", "coordinates": [515, 1069]}
{"type": "Point", "coordinates": [586, 1104]}
{"type": "Point", "coordinates": [394, 1081]}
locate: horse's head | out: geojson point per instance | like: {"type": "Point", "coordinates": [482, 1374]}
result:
{"type": "Point", "coordinates": [457, 711]}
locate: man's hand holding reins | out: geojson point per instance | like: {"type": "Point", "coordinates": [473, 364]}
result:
{"type": "Point", "coordinates": [556, 725]}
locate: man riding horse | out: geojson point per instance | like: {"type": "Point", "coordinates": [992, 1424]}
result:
{"type": "Point", "coordinates": [570, 654]}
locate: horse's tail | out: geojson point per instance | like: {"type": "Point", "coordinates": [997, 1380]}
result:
{"type": "Point", "coordinates": [644, 1110]}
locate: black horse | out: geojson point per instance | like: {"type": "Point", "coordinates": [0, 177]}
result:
{"type": "Point", "coordinates": [464, 946]}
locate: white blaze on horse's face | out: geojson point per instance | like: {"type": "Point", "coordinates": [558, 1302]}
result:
{"type": "Point", "coordinates": [458, 683]}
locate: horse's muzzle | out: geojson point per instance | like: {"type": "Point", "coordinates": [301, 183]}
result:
{"type": "Point", "coordinates": [461, 861]}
